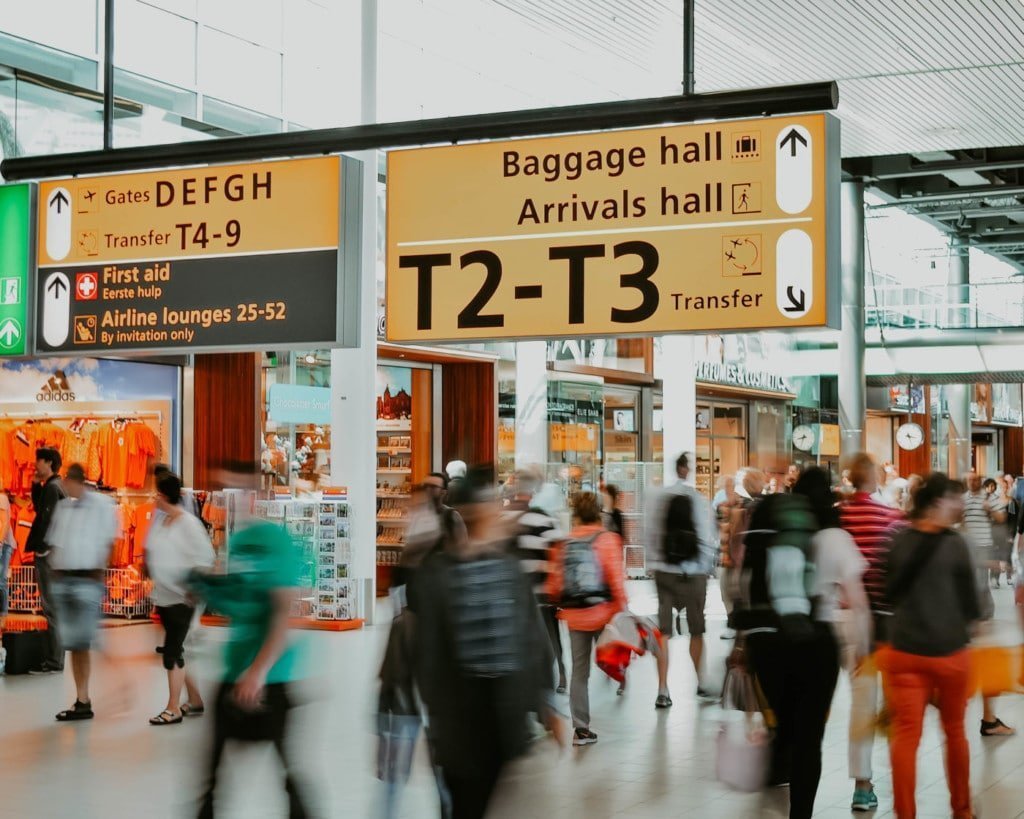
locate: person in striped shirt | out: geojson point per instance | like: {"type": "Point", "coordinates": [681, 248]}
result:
{"type": "Point", "coordinates": [536, 531]}
{"type": "Point", "coordinates": [979, 515]}
{"type": "Point", "coordinates": [870, 523]}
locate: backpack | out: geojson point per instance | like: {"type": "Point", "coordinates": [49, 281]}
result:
{"type": "Point", "coordinates": [583, 583]}
{"type": "Point", "coordinates": [790, 566]}
{"type": "Point", "coordinates": [680, 540]}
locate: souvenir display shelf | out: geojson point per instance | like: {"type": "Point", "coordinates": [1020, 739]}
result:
{"type": "Point", "coordinates": [322, 529]}
{"type": "Point", "coordinates": [394, 493]}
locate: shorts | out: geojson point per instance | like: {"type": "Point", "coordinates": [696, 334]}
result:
{"type": "Point", "coordinates": [686, 593]}
{"type": "Point", "coordinates": [176, 621]}
{"type": "Point", "coordinates": [78, 602]}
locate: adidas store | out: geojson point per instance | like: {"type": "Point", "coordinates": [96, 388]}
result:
{"type": "Point", "coordinates": [115, 418]}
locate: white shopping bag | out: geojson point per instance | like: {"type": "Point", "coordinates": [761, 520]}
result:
{"type": "Point", "coordinates": [743, 745]}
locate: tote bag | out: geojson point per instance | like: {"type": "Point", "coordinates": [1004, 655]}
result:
{"type": "Point", "coordinates": [743, 744]}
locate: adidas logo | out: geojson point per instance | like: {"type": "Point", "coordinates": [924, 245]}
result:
{"type": "Point", "coordinates": [56, 389]}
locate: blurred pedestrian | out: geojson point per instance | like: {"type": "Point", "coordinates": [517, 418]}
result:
{"type": "Point", "coordinates": [793, 472]}
{"type": "Point", "coordinates": [536, 531]}
{"type": "Point", "coordinates": [7, 546]}
{"type": "Point", "coordinates": [262, 659]}
{"type": "Point", "coordinates": [177, 545]}
{"type": "Point", "coordinates": [613, 520]}
{"type": "Point", "coordinates": [800, 563]}
{"type": "Point", "coordinates": [980, 514]}
{"type": "Point", "coordinates": [930, 583]}
{"type": "Point", "coordinates": [456, 471]}
{"type": "Point", "coordinates": [47, 492]}
{"type": "Point", "coordinates": [725, 502]}
{"type": "Point", "coordinates": [870, 523]}
{"type": "Point", "coordinates": [588, 582]}
{"type": "Point", "coordinates": [481, 657]}
{"type": "Point", "coordinates": [1003, 522]}
{"type": "Point", "coordinates": [82, 538]}
{"type": "Point", "coordinates": [682, 549]}
{"type": "Point", "coordinates": [913, 484]}
{"type": "Point", "coordinates": [431, 521]}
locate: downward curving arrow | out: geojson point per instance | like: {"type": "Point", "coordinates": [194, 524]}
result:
{"type": "Point", "coordinates": [796, 305]}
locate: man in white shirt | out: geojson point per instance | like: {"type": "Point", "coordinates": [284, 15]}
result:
{"type": "Point", "coordinates": [81, 536]}
{"type": "Point", "coordinates": [681, 585]}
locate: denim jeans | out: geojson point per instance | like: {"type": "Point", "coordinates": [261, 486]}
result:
{"type": "Point", "coordinates": [6, 551]}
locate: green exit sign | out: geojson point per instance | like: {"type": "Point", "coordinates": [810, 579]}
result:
{"type": "Point", "coordinates": [15, 259]}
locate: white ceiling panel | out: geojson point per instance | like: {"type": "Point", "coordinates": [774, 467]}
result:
{"type": "Point", "coordinates": [914, 75]}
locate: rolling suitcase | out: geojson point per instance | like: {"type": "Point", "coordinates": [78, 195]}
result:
{"type": "Point", "coordinates": [25, 650]}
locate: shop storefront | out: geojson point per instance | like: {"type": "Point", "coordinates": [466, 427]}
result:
{"type": "Point", "coordinates": [117, 419]}
{"type": "Point", "coordinates": [430, 406]}
{"type": "Point", "coordinates": [744, 411]}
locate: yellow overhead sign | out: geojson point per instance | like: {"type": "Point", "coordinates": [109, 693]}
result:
{"type": "Point", "coordinates": [218, 210]}
{"type": "Point", "coordinates": [717, 227]}
{"type": "Point", "coordinates": [262, 255]}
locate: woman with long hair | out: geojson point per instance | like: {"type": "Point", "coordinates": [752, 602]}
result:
{"type": "Point", "coordinates": [931, 584]}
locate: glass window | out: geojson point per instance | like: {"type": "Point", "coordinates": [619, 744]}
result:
{"type": "Point", "coordinates": [49, 120]}
{"type": "Point", "coordinates": [770, 431]}
{"type": "Point", "coordinates": [322, 50]}
{"type": "Point", "coordinates": [621, 425]}
{"type": "Point", "coordinates": [239, 72]}
{"type": "Point", "coordinates": [260, 23]}
{"type": "Point", "coordinates": [155, 43]}
{"type": "Point", "coordinates": [607, 353]}
{"type": "Point", "coordinates": [721, 443]}
{"type": "Point", "coordinates": [297, 452]}
{"type": "Point", "coordinates": [70, 25]}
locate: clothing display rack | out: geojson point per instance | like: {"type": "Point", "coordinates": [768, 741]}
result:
{"type": "Point", "coordinates": [71, 416]}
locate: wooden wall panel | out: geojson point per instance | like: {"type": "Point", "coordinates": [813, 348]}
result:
{"type": "Point", "coordinates": [469, 414]}
{"type": "Point", "coordinates": [918, 461]}
{"type": "Point", "coordinates": [422, 426]}
{"type": "Point", "coordinates": [225, 427]}
{"type": "Point", "coordinates": [1013, 451]}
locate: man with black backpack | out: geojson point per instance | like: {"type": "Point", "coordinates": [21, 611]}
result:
{"type": "Point", "coordinates": [681, 548]}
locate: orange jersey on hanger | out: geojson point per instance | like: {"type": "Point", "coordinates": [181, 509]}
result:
{"type": "Point", "coordinates": [122, 551]}
{"type": "Point", "coordinates": [110, 450]}
{"type": "Point", "coordinates": [143, 445]}
{"type": "Point", "coordinates": [7, 468]}
{"type": "Point", "coordinates": [77, 446]}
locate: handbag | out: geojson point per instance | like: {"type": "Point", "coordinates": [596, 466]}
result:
{"type": "Point", "coordinates": [994, 669]}
{"type": "Point", "coordinates": [743, 744]}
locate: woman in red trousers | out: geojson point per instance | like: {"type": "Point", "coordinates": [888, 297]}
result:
{"type": "Point", "coordinates": [935, 602]}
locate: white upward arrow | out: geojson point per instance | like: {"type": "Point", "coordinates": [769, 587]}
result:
{"type": "Point", "coordinates": [9, 332]}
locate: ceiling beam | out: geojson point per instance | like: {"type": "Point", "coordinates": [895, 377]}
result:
{"type": "Point", "coordinates": [968, 194]}
{"type": "Point", "coordinates": [939, 168]}
{"type": "Point", "coordinates": [746, 103]}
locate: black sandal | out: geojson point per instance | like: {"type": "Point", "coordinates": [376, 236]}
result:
{"type": "Point", "coordinates": [996, 729]}
{"type": "Point", "coordinates": [190, 710]}
{"type": "Point", "coordinates": [165, 718]}
{"type": "Point", "coordinates": [80, 710]}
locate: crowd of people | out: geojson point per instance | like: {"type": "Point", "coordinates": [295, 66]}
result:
{"type": "Point", "coordinates": [71, 540]}
{"type": "Point", "coordinates": [889, 579]}
{"type": "Point", "coordinates": [886, 578]}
